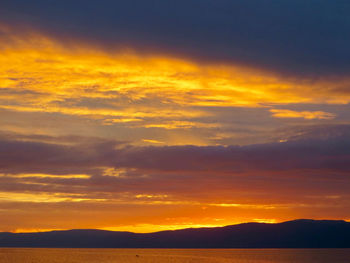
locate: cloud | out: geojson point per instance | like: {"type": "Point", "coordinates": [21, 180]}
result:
{"type": "Point", "coordinates": [136, 91]}
{"type": "Point", "coordinates": [318, 150]}
{"type": "Point", "coordinates": [70, 177]}
{"type": "Point", "coordinates": [309, 115]}
{"type": "Point", "coordinates": [166, 167]}
{"type": "Point", "coordinates": [295, 37]}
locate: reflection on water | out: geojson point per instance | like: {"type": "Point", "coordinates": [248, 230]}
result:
{"type": "Point", "coordinates": [50, 255]}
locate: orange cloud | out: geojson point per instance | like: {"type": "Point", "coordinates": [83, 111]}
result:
{"type": "Point", "coordinates": [54, 75]}
{"type": "Point", "coordinates": [309, 115]}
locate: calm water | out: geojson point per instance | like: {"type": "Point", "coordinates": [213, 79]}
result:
{"type": "Point", "coordinates": [42, 255]}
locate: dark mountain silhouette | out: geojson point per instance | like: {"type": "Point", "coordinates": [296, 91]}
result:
{"type": "Point", "coordinates": [303, 233]}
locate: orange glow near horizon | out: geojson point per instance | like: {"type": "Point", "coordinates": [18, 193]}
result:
{"type": "Point", "coordinates": [149, 228]}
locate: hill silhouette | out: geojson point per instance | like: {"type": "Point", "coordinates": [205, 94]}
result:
{"type": "Point", "coordinates": [302, 233]}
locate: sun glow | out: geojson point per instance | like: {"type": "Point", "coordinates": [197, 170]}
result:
{"type": "Point", "coordinates": [149, 228]}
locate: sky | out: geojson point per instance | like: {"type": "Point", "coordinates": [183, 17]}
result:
{"type": "Point", "coordinates": [154, 115]}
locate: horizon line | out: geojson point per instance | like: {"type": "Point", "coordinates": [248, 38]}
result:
{"type": "Point", "coordinates": [178, 229]}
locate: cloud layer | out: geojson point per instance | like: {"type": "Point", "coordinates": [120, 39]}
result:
{"type": "Point", "coordinates": [293, 37]}
{"type": "Point", "coordinates": [292, 176]}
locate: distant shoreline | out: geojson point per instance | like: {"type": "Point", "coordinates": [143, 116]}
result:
{"type": "Point", "coordinates": [296, 234]}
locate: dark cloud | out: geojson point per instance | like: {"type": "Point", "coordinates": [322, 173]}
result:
{"type": "Point", "coordinates": [332, 132]}
{"type": "Point", "coordinates": [44, 154]}
{"type": "Point", "coordinates": [307, 165]}
{"type": "Point", "coordinates": [294, 36]}
{"type": "Point", "coordinates": [306, 175]}
{"type": "Point", "coordinates": [318, 147]}
{"type": "Point", "coordinates": [304, 154]}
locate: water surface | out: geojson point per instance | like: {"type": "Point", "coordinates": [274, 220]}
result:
{"type": "Point", "coordinates": [63, 255]}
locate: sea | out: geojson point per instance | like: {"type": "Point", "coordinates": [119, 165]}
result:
{"type": "Point", "coordinates": [78, 255]}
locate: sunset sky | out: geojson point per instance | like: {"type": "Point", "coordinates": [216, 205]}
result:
{"type": "Point", "coordinates": [164, 114]}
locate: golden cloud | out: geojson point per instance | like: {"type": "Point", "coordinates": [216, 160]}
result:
{"type": "Point", "coordinates": [53, 78]}
{"type": "Point", "coordinates": [309, 115]}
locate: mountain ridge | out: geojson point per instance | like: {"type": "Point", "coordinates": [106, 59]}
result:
{"type": "Point", "coordinates": [300, 233]}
